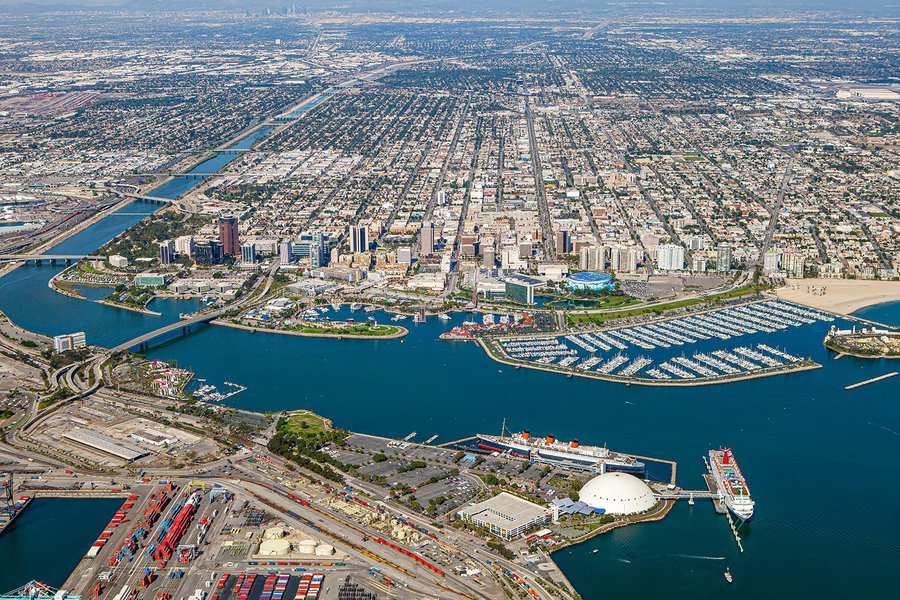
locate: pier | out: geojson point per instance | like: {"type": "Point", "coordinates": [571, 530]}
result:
{"type": "Point", "coordinates": [872, 380]}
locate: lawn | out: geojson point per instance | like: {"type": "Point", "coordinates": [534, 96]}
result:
{"type": "Point", "coordinates": [577, 318]}
{"type": "Point", "coordinates": [306, 423]}
{"type": "Point", "coordinates": [348, 329]}
{"type": "Point", "coordinates": [628, 314]}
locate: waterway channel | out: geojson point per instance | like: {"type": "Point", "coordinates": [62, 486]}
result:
{"type": "Point", "coordinates": [823, 464]}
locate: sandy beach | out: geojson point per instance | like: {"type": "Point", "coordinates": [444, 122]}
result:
{"type": "Point", "coordinates": [842, 296]}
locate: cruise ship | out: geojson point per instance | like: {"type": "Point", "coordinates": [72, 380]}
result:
{"type": "Point", "coordinates": [564, 454]}
{"type": "Point", "coordinates": [732, 488]}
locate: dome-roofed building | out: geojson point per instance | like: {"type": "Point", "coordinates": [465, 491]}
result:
{"type": "Point", "coordinates": [618, 494]}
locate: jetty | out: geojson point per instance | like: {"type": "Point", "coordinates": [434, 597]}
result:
{"type": "Point", "coordinates": [872, 380]}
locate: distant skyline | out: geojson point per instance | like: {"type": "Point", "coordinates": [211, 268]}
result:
{"type": "Point", "coordinates": [536, 7]}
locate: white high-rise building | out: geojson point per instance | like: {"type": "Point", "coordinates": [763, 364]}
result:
{"type": "Point", "coordinates": [592, 258]}
{"type": "Point", "coordinates": [624, 259]}
{"type": "Point", "coordinates": [723, 258]}
{"type": "Point", "coordinates": [248, 253]}
{"type": "Point", "coordinates": [771, 260]}
{"type": "Point", "coordinates": [285, 252]}
{"type": "Point", "coordinates": [670, 257]}
{"type": "Point", "coordinates": [184, 245]}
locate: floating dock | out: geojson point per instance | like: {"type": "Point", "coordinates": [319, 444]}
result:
{"type": "Point", "coordinates": [873, 380]}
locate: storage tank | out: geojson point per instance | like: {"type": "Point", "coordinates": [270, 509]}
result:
{"type": "Point", "coordinates": [307, 547]}
{"type": "Point", "coordinates": [324, 550]}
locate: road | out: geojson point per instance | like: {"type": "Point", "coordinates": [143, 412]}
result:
{"type": "Point", "coordinates": [429, 211]}
{"type": "Point", "coordinates": [540, 191]}
{"type": "Point", "coordinates": [776, 211]}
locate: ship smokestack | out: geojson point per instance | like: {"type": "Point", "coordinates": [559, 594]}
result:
{"type": "Point", "coordinates": [573, 443]}
{"type": "Point", "coordinates": [725, 456]}
{"type": "Point", "coordinates": [550, 438]}
{"type": "Point", "coordinates": [526, 435]}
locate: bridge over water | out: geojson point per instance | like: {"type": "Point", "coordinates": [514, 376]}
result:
{"type": "Point", "coordinates": [170, 331]}
{"type": "Point", "coordinates": [52, 258]}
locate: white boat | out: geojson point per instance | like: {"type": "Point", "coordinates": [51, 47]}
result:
{"type": "Point", "coordinates": [732, 488]}
{"type": "Point", "coordinates": [571, 454]}
{"type": "Point", "coordinates": [444, 317]}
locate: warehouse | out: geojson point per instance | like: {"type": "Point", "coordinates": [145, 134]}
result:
{"type": "Point", "coordinates": [505, 515]}
{"type": "Point", "coordinates": [98, 441]}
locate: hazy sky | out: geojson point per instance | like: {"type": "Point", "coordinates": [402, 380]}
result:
{"type": "Point", "coordinates": [606, 7]}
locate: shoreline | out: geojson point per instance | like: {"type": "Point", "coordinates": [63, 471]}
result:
{"type": "Point", "coordinates": [839, 296]}
{"type": "Point", "coordinates": [59, 290]}
{"type": "Point", "coordinates": [339, 336]}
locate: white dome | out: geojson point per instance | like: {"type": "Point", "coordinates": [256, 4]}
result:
{"type": "Point", "coordinates": [618, 494]}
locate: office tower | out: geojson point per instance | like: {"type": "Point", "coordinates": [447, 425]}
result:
{"type": "Point", "coordinates": [248, 253]}
{"type": "Point", "coordinates": [359, 239]}
{"type": "Point", "coordinates": [562, 241]}
{"type": "Point", "coordinates": [323, 248]}
{"type": "Point", "coordinates": [209, 252]}
{"type": "Point", "coordinates": [228, 235]}
{"type": "Point", "coordinates": [166, 252]}
{"type": "Point", "coordinates": [426, 239]}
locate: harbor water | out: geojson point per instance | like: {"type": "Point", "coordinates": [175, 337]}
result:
{"type": "Point", "coordinates": [822, 463]}
{"type": "Point", "coordinates": [49, 538]}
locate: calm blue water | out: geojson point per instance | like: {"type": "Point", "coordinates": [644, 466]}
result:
{"type": "Point", "coordinates": [251, 139]}
{"type": "Point", "coordinates": [29, 302]}
{"type": "Point", "coordinates": [178, 186]}
{"type": "Point", "coordinates": [48, 540]}
{"type": "Point", "coordinates": [822, 463]}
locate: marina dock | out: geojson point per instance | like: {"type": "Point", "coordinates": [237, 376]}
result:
{"type": "Point", "coordinates": [873, 380]}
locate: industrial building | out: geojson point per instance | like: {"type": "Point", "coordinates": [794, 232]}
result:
{"type": "Point", "coordinates": [104, 443]}
{"type": "Point", "coordinates": [505, 515]}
